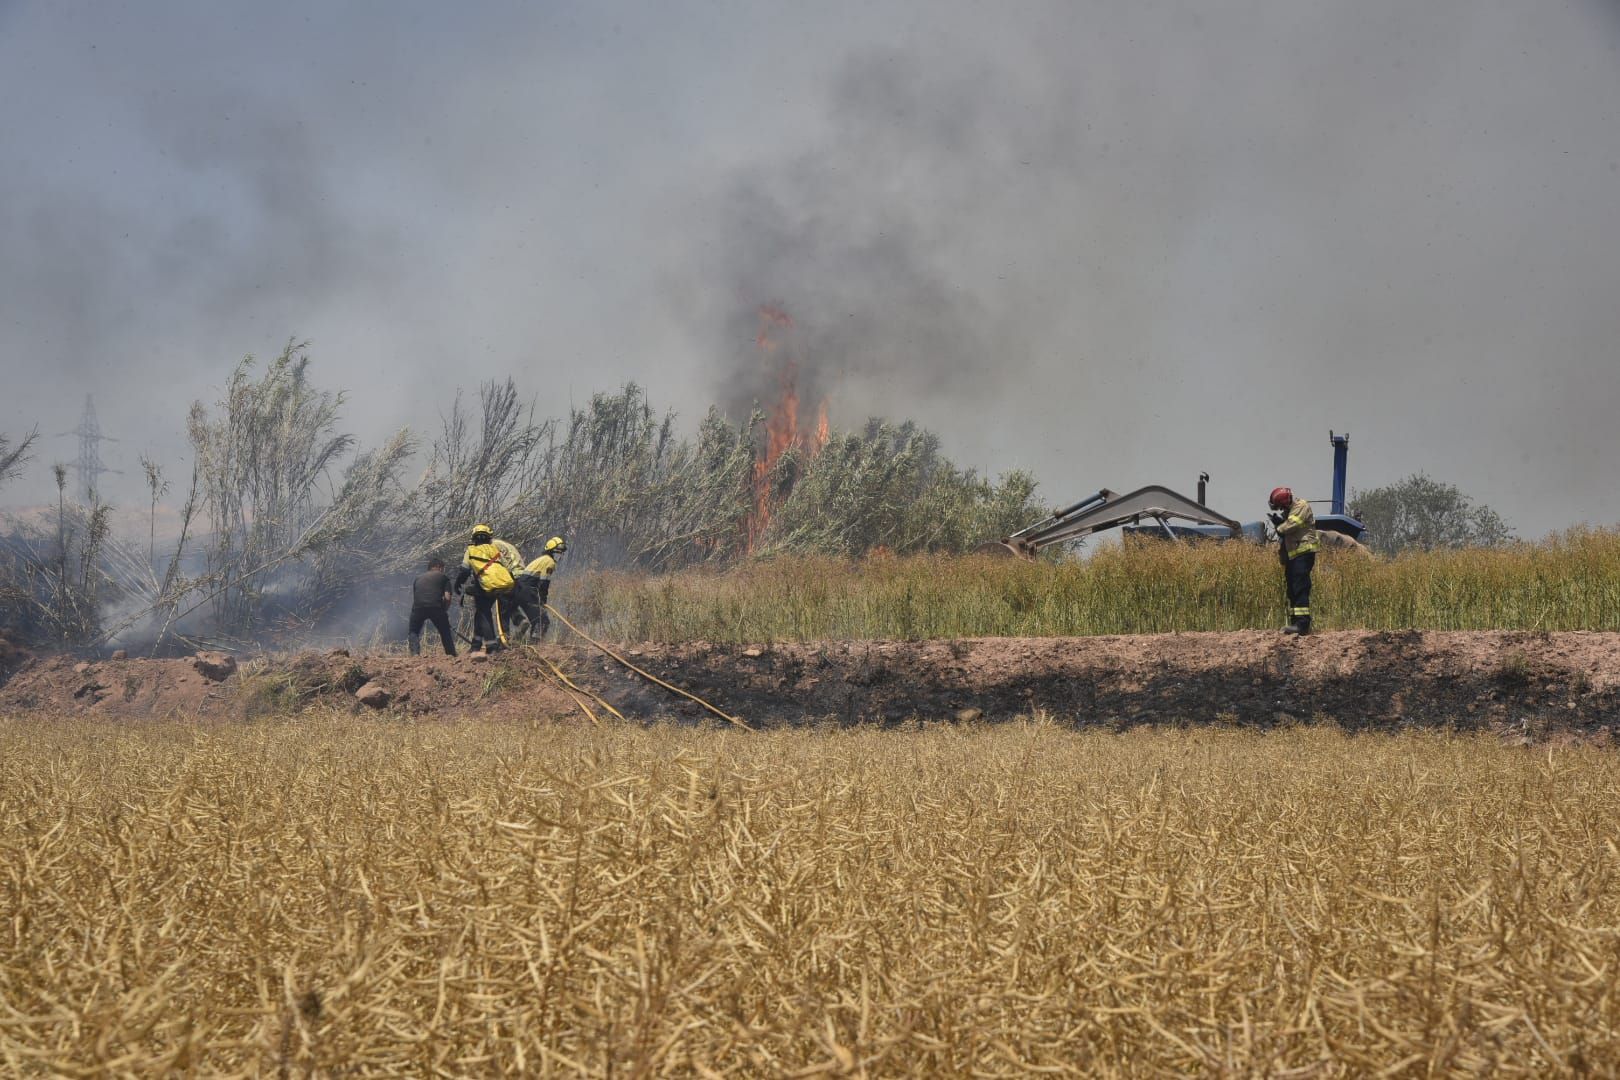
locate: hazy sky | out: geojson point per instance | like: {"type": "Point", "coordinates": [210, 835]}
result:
{"type": "Point", "coordinates": [1115, 243]}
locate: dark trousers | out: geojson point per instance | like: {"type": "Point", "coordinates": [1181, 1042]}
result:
{"type": "Point", "coordinates": [530, 598]}
{"type": "Point", "coordinates": [1297, 572]}
{"type": "Point", "coordinates": [440, 619]}
{"type": "Point", "coordinates": [483, 619]}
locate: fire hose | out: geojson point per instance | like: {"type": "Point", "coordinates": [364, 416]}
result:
{"type": "Point", "coordinates": [574, 689]}
{"type": "Point", "coordinates": [728, 718]}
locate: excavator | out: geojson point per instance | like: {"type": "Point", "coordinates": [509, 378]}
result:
{"type": "Point", "coordinates": [1156, 512]}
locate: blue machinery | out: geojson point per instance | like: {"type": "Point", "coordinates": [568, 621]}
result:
{"type": "Point", "coordinates": [1339, 521]}
{"type": "Point", "coordinates": [1167, 510]}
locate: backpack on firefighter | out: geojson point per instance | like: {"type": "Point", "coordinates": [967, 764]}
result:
{"type": "Point", "coordinates": [491, 573]}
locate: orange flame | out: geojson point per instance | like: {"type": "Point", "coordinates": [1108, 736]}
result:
{"type": "Point", "coordinates": [782, 430]}
{"type": "Point", "coordinates": [770, 315]}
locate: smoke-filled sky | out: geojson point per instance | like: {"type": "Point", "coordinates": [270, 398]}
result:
{"type": "Point", "coordinates": [1111, 243]}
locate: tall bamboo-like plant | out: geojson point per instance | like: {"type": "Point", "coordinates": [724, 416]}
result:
{"type": "Point", "coordinates": [156, 487]}
{"type": "Point", "coordinates": [891, 487]}
{"type": "Point", "coordinates": [266, 458]}
{"type": "Point", "coordinates": [14, 457]}
{"type": "Point", "coordinates": [615, 478]}
{"type": "Point", "coordinates": [479, 468]}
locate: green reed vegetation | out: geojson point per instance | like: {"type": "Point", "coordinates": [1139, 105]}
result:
{"type": "Point", "coordinates": [1567, 582]}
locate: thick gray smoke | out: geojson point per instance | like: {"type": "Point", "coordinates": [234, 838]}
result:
{"type": "Point", "coordinates": [851, 238]}
{"type": "Point", "coordinates": [102, 274]}
{"type": "Point", "coordinates": [1113, 243]}
{"type": "Point", "coordinates": [1122, 245]}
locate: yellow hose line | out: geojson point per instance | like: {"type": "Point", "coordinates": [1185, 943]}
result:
{"type": "Point", "coordinates": [500, 631]}
{"type": "Point", "coordinates": [586, 709]}
{"type": "Point", "coordinates": [571, 684]}
{"type": "Point", "coordinates": [737, 720]}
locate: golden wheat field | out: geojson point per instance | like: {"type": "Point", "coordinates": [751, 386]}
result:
{"type": "Point", "coordinates": [334, 895]}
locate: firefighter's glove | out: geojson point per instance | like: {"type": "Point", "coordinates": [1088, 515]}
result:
{"type": "Point", "coordinates": [1277, 517]}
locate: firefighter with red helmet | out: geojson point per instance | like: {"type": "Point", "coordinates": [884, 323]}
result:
{"type": "Point", "coordinates": [1297, 542]}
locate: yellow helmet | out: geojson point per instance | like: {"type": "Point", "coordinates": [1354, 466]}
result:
{"type": "Point", "coordinates": [481, 530]}
{"type": "Point", "coordinates": [556, 546]}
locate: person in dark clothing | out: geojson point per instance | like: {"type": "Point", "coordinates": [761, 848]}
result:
{"type": "Point", "coordinates": [430, 603]}
{"type": "Point", "coordinates": [526, 601]}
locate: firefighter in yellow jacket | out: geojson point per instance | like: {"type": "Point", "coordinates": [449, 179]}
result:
{"type": "Point", "coordinates": [491, 581]}
{"type": "Point", "coordinates": [534, 585]}
{"type": "Point", "coordinates": [505, 607]}
{"type": "Point", "coordinates": [1298, 541]}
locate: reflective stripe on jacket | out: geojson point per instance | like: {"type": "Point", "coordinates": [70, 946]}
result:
{"type": "Point", "coordinates": [1298, 531]}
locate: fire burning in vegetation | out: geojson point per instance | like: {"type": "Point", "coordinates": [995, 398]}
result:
{"type": "Point", "coordinates": [782, 425]}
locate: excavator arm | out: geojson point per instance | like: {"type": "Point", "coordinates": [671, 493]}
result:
{"type": "Point", "coordinates": [1107, 510]}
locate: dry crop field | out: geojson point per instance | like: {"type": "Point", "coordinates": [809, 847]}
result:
{"type": "Point", "coordinates": [343, 895]}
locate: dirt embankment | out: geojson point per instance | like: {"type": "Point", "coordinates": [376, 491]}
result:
{"type": "Point", "coordinates": [217, 685]}
{"type": "Point", "coordinates": [1532, 683]}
